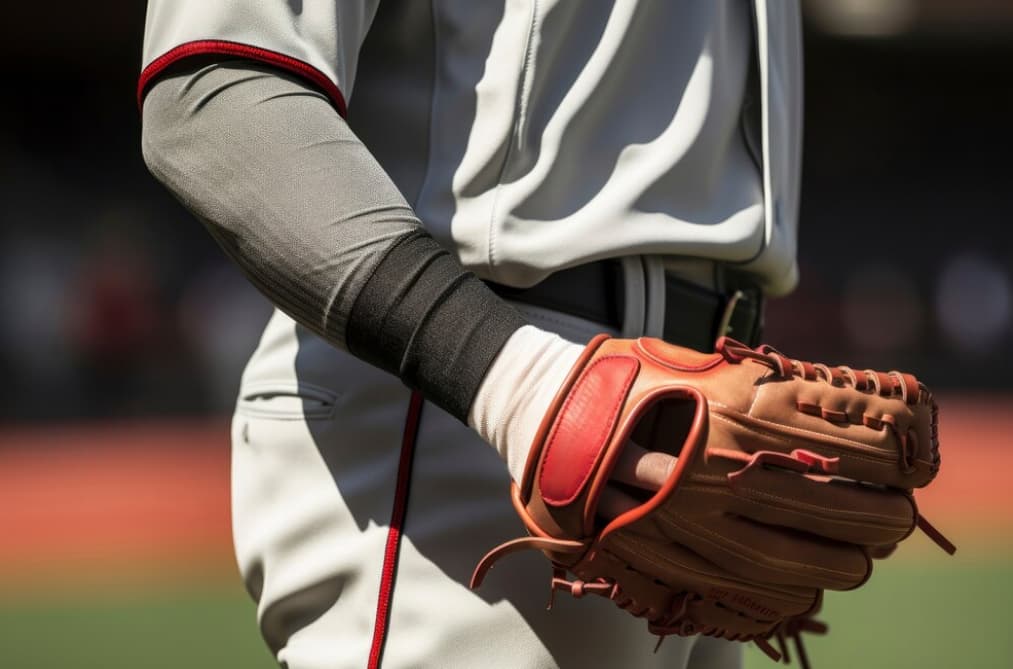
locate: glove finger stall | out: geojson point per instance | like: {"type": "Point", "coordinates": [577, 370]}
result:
{"type": "Point", "coordinates": [759, 553]}
{"type": "Point", "coordinates": [822, 506]}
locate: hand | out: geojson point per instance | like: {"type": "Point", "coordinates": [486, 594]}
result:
{"type": "Point", "coordinates": [637, 467]}
{"type": "Point", "coordinates": [790, 476]}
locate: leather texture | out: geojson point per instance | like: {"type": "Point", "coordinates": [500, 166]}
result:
{"type": "Point", "coordinates": [790, 476]}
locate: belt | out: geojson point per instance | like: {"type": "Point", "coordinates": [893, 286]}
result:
{"type": "Point", "coordinates": [694, 316]}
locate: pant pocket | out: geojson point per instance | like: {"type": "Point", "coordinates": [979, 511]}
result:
{"type": "Point", "coordinates": [286, 400]}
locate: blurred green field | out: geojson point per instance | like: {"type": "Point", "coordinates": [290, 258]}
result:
{"type": "Point", "coordinates": [105, 565]}
{"type": "Point", "coordinates": [917, 615]}
{"type": "Point", "coordinates": [914, 614]}
{"type": "Point", "coordinates": [160, 628]}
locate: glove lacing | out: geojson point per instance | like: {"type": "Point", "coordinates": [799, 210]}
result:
{"type": "Point", "coordinates": [678, 621]}
{"type": "Point", "coordinates": [887, 384]}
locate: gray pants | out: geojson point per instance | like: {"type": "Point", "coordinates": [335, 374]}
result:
{"type": "Point", "coordinates": [316, 444]}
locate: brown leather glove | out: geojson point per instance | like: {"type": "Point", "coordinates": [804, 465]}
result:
{"type": "Point", "coordinates": [789, 477]}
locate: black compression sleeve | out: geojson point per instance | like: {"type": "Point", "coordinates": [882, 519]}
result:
{"type": "Point", "coordinates": [423, 318]}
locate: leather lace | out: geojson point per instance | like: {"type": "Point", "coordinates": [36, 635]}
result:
{"type": "Point", "coordinates": [886, 384]}
{"type": "Point", "coordinates": [676, 620]}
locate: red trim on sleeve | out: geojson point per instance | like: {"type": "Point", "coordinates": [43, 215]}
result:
{"type": "Point", "coordinates": [224, 48]}
{"type": "Point", "coordinates": [397, 516]}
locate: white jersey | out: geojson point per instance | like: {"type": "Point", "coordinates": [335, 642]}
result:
{"type": "Point", "coordinates": [529, 136]}
{"type": "Point", "coordinates": [533, 136]}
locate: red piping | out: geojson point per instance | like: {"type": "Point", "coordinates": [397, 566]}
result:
{"type": "Point", "coordinates": [225, 48]}
{"type": "Point", "coordinates": [397, 516]}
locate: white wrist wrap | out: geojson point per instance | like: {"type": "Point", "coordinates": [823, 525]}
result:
{"type": "Point", "coordinates": [517, 390]}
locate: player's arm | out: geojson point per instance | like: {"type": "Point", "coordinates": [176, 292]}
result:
{"type": "Point", "coordinates": [300, 204]}
{"type": "Point", "coordinates": [291, 194]}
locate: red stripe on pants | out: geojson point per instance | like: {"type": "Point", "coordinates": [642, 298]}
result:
{"type": "Point", "coordinates": [397, 516]}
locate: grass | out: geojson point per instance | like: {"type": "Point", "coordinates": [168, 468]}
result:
{"type": "Point", "coordinates": [914, 614]}
{"type": "Point", "coordinates": [918, 616]}
{"type": "Point", "coordinates": [183, 628]}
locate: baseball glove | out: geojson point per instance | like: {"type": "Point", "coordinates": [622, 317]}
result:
{"type": "Point", "coordinates": [790, 476]}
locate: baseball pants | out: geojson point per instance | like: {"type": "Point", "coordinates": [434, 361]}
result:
{"type": "Point", "coordinates": [317, 438]}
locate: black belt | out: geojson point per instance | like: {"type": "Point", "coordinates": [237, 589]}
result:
{"type": "Point", "coordinates": [694, 316]}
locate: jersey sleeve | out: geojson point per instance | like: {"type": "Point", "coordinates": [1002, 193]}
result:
{"type": "Point", "coordinates": [318, 41]}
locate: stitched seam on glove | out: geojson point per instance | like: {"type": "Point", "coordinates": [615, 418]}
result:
{"type": "Point", "coordinates": [792, 505]}
{"type": "Point", "coordinates": [600, 439]}
{"type": "Point", "coordinates": [650, 549]}
{"type": "Point", "coordinates": [709, 601]}
{"type": "Point", "coordinates": [842, 446]}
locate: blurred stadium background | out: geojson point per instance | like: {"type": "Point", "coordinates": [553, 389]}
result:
{"type": "Point", "coordinates": [124, 332]}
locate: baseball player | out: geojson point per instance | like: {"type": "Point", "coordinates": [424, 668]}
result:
{"type": "Point", "coordinates": [445, 201]}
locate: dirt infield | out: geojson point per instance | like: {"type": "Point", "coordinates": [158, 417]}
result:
{"type": "Point", "coordinates": [137, 498]}
{"type": "Point", "coordinates": [151, 498]}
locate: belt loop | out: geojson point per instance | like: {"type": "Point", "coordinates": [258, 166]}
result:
{"type": "Point", "coordinates": [634, 305]}
{"type": "Point", "coordinates": [654, 321]}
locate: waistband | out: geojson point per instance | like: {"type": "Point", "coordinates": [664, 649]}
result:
{"type": "Point", "coordinates": [694, 315]}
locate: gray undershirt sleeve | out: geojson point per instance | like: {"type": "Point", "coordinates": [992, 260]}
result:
{"type": "Point", "coordinates": [292, 195]}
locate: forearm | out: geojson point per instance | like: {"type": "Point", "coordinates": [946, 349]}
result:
{"type": "Point", "coordinates": [299, 203]}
